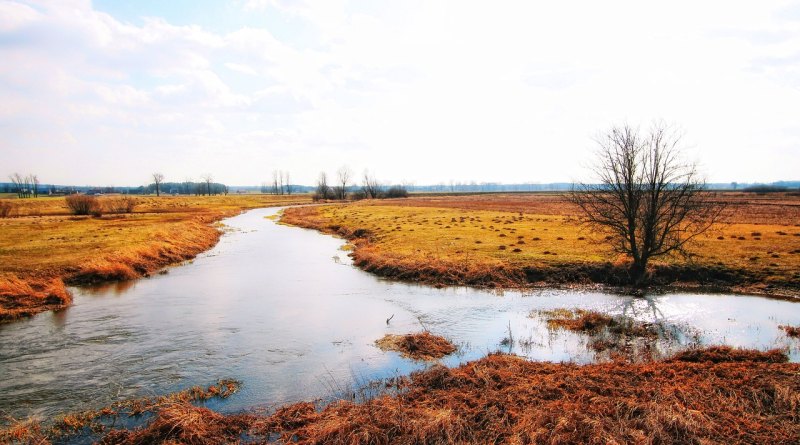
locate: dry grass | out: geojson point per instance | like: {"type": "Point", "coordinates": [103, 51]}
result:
{"type": "Point", "coordinates": [175, 406]}
{"type": "Point", "coordinates": [56, 248]}
{"type": "Point", "coordinates": [791, 331]}
{"type": "Point", "coordinates": [22, 298]}
{"type": "Point", "coordinates": [716, 396]}
{"type": "Point", "coordinates": [183, 423]}
{"type": "Point", "coordinates": [727, 354]}
{"type": "Point", "coordinates": [417, 346]}
{"type": "Point", "coordinates": [621, 337]}
{"type": "Point", "coordinates": [747, 208]}
{"type": "Point", "coordinates": [536, 239]}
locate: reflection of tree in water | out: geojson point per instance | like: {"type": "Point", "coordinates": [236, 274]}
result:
{"type": "Point", "coordinates": [116, 288]}
{"type": "Point", "coordinates": [671, 336]}
{"type": "Point", "coordinates": [649, 303]}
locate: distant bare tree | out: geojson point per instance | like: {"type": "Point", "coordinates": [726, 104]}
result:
{"type": "Point", "coordinates": [648, 200]}
{"type": "Point", "coordinates": [208, 180]}
{"type": "Point", "coordinates": [34, 179]}
{"type": "Point", "coordinates": [21, 184]}
{"type": "Point", "coordinates": [345, 174]}
{"type": "Point", "coordinates": [323, 190]}
{"type": "Point", "coordinates": [158, 178]}
{"type": "Point", "coordinates": [287, 181]}
{"type": "Point", "coordinates": [275, 182]}
{"type": "Point", "coordinates": [370, 186]}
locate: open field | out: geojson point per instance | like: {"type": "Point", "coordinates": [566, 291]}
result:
{"type": "Point", "coordinates": [514, 240]}
{"type": "Point", "coordinates": [714, 395]}
{"type": "Point", "coordinates": [44, 246]}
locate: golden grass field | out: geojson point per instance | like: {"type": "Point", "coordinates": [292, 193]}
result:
{"type": "Point", "coordinates": [43, 246]}
{"type": "Point", "coordinates": [522, 239]}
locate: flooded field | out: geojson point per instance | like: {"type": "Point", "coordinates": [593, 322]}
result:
{"type": "Point", "coordinates": [282, 310]}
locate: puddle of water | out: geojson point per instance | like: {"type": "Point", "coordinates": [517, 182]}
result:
{"type": "Point", "coordinates": [283, 310]}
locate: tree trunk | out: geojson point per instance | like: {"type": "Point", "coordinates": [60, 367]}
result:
{"type": "Point", "coordinates": [638, 273]}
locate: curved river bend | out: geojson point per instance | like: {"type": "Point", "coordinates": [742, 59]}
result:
{"type": "Point", "coordinates": [283, 310]}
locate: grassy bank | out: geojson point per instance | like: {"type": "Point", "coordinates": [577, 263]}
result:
{"type": "Point", "coordinates": [43, 247]}
{"type": "Point", "coordinates": [534, 239]}
{"type": "Point", "coordinates": [716, 395]}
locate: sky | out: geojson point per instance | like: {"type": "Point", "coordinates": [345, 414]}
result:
{"type": "Point", "coordinates": [425, 92]}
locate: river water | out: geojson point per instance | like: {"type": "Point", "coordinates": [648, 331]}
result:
{"type": "Point", "coordinates": [283, 310]}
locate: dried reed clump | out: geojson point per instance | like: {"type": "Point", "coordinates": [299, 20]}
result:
{"type": "Point", "coordinates": [174, 409]}
{"type": "Point", "coordinates": [184, 423]}
{"type": "Point", "coordinates": [418, 346]}
{"type": "Point", "coordinates": [121, 204]}
{"type": "Point", "coordinates": [23, 432]}
{"type": "Point", "coordinates": [577, 320]}
{"type": "Point", "coordinates": [615, 334]}
{"type": "Point", "coordinates": [84, 205]}
{"type": "Point", "coordinates": [791, 331]}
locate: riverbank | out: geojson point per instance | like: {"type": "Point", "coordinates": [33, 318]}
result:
{"type": "Point", "coordinates": [535, 240]}
{"type": "Point", "coordinates": [44, 247]}
{"type": "Point", "coordinates": [715, 395]}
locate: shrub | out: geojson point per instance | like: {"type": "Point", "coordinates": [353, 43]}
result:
{"type": "Point", "coordinates": [396, 191]}
{"type": "Point", "coordinates": [124, 204]}
{"type": "Point", "coordinates": [84, 205]}
{"type": "Point", "coordinates": [358, 195]}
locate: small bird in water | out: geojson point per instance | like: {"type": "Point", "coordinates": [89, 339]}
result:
{"type": "Point", "coordinates": [389, 319]}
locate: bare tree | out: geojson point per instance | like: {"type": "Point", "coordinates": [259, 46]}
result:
{"type": "Point", "coordinates": [287, 180]}
{"type": "Point", "coordinates": [648, 200]}
{"type": "Point", "coordinates": [370, 185]}
{"type": "Point", "coordinates": [158, 178]}
{"type": "Point", "coordinates": [344, 173]}
{"type": "Point", "coordinates": [275, 182]}
{"type": "Point", "coordinates": [207, 180]}
{"type": "Point", "coordinates": [19, 184]}
{"type": "Point", "coordinates": [323, 190]}
{"type": "Point", "coordinates": [35, 185]}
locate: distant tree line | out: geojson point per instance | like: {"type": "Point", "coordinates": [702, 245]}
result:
{"type": "Point", "coordinates": [280, 185]}
{"type": "Point", "coordinates": [345, 187]}
{"type": "Point", "coordinates": [186, 187]}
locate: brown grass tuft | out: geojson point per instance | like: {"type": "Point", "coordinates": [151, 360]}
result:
{"type": "Point", "coordinates": [418, 346]}
{"type": "Point", "coordinates": [184, 423]}
{"type": "Point", "coordinates": [791, 331]}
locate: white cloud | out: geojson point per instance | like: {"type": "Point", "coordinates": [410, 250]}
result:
{"type": "Point", "coordinates": [423, 91]}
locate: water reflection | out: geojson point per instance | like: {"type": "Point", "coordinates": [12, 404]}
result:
{"type": "Point", "coordinates": [283, 310]}
{"type": "Point", "coordinates": [113, 288]}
